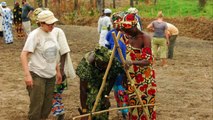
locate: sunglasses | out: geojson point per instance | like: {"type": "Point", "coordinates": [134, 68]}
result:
{"type": "Point", "coordinates": [50, 24]}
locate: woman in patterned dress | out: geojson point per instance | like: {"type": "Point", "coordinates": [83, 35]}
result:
{"type": "Point", "coordinates": [7, 23]}
{"type": "Point", "coordinates": [18, 20]}
{"type": "Point", "coordinates": [139, 57]}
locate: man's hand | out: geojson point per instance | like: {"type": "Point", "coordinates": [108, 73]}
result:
{"type": "Point", "coordinates": [58, 78]}
{"type": "Point", "coordinates": [28, 81]}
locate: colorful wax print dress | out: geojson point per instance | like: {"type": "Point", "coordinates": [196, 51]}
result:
{"type": "Point", "coordinates": [144, 79]}
{"type": "Point", "coordinates": [17, 11]}
{"type": "Point", "coordinates": [94, 77]}
{"type": "Point", "coordinates": [58, 106]}
{"type": "Point", "coordinates": [7, 25]}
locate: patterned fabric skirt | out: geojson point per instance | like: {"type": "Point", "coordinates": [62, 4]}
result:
{"type": "Point", "coordinates": [121, 95]}
{"type": "Point", "coordinates": [144, 81]}
{"type": "Point", "coordinates": [58, 106]}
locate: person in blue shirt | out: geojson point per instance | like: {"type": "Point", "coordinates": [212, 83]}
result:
{"type": "Point", "coordinates": [119, 89]}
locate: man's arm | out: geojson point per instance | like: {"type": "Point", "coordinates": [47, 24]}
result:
{"type": "Point", "coordinates": [24, 61]}
{"type": "Point", "coordinates": [83, 95]}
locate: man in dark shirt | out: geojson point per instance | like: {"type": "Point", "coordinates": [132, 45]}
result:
{"type": "Point", "coordinates": [26, 12]}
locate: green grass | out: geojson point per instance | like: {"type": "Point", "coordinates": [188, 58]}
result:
{"type": "Point", "coordinates": [170, 8]}
{"type": "Point", "coordinates": [176, 8]}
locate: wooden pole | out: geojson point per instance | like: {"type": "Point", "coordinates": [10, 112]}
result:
{"type": "Point", "coordinates": [128, 75]}
{"type": "Point", "coordinates": [104, 78]}
{"type": "Point", "coordinates": [103, 111]}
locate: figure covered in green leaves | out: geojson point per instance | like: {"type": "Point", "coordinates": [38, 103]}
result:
{"type": "Point", "coordinates": [91, 70]}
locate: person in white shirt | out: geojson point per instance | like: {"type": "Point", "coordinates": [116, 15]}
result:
{"type": "Point", "coordinates": [173, 33]}
{"type": "Point", "coordinates": [42, 70]}
{"type": "Point", "coordinates": [66, 68]}
{"type": "Point", "coordinates": [104, 25]}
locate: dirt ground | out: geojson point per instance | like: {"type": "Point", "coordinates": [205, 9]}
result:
{"type": "Point", "coordinates": [185, 87]}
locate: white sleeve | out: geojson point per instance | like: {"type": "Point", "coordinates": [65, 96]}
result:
{"type": "Point", "coordinates": [109, 23]}
{"type": "Point", "coordinates": [62, 41]}
{"type": "Point", "coordinates": [99, 25]}
{"type": "Point", "coordinates": [30, 43]}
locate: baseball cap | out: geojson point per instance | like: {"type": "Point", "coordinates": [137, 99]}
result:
{"type": "Point", "coordinates": [47, 17]}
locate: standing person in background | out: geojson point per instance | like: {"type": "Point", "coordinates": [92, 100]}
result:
{"type": "Point", "coordinates": [120, 93]}
{"type": "Point", "coordinates": [17, 11]}
{"type": "Point", "coordinates": [160, 38]}
{"type": "Point", "coordinates": [7, 23]}
{"type": "Point", "coordinates": [1, 19]}
{"type": "Point", "coordinates": [172, 33]}
{"type": "Point", "coordinates": [139, 62]}
{"type": "Point", "coordinates": [104, 25]}
{"type": "Point", "coordinates": [26, 13]}
{"type": "Point", "coordinates": [43, 69]}
{"type": "Point", "coordinates": [133, 10]}
{"type": "Point", "coordinates": [102, 14]}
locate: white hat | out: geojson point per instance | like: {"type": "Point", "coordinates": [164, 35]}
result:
{"type": "Point", "coordinates": [132, 10]}
{"type": "Point", "coordinates": [47, 17]}
{"type": "Point", "coordinates": [107, 10]}
{"type": "Point", "coordinates": [4, 4]}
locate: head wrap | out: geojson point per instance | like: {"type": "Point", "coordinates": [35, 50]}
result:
{"type": "Point", "coordinates": [102, 54]}
{"type": "Point", "coordinates": [16, 3]}
{"type": "Point", "coordinates": [129, 21]}
{"type": "Point", "coordinates": [132, 10]}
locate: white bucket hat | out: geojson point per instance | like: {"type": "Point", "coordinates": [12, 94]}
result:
{"type": "Point", "coordinates": [107, 10]}
{"type": "Point", "coordinates": [47, 17]}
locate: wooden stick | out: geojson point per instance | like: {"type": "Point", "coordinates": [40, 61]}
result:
{"type": "Point", "coordinates": [119, 108]}
{"type": "Point", "coordinates": [128, 75]}
{"type": "Point", "coordinates": [104, 78]}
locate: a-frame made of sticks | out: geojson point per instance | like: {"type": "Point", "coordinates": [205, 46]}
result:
{"type": "Point", "coordinates": [116, 46]}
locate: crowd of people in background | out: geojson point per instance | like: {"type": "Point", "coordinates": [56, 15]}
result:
{"type": "Point", "coordinates": [46, 61]}
{"type": "Point", "coordinates": [19, 16]}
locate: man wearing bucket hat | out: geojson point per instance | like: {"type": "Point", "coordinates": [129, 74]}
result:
{"type": "Point", "coordinates": [43, 69]}
{"type": "Point", "coordinates": [66, 68]}
{"type": "Point", "coordinates": [104, 25]}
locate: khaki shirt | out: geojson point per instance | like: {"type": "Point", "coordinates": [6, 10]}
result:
{"type": "Point", "coordinates": [172, 29]}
